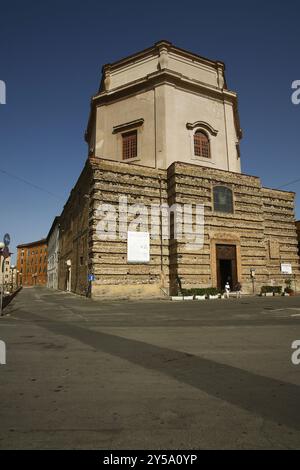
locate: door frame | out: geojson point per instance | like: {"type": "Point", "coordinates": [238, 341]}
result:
{"type": "Point", "coordinates": [233, 268]}
{"type": "Point", "coordinates": [229, 239]}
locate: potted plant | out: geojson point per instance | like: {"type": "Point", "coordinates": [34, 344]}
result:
{"type": "Point", "coordinates": [288, 290]}
{"type": "Point", "coordinates": [277, 290]}
{"type": "Point", "coordinates": [213, 293]}
{"type": "Point", "coordinates": [266, 291]}
{"type": "Point", "coordinates": [187, 294]}
{"type": "Point", "coordinates": [199, 294]}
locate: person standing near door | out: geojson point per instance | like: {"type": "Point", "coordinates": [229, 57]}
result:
{"type": "Point", "coordinates": [238, 289]}
{"type": "Point", "coordinates": [227, 290]}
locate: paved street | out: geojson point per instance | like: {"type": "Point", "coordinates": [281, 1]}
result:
{"type": "Point", "coordinates": [165, 375]}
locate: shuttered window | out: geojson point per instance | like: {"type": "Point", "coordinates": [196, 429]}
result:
{"type": "Point", "coordinates": [201, 145]}
{"type": "Point", "coordinates": [129, 145]}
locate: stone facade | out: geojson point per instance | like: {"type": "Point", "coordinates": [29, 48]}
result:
{"type": "Point", "coordinates": [261, 228]}
{"type": "Point", "coordinates": [262, 218]}
{"type": "Point", "coordinates": [166, 95]}
{"type": "Point", "coordinates": [114, 276]}
{"type": "Point", "coordinates": [74, 236]}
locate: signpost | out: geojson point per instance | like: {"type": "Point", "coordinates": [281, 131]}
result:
{"type": "Point", "coordinates": [91, 278]}
{"type": "Point", "coordinates": [6, 239]}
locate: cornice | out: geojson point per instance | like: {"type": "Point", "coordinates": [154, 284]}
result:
{"type": "Point", "coordinates": [155, 51]}
{"type": "Point", "coordinates": [128, 125]}
{"type": "Point", "coordinates": [162, 77]}
{"type": "Point", "coordinates": [202, 124]}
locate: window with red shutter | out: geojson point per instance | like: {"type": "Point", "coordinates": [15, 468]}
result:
{"type": "Point", "coordinates": [201, 145]}
{"type": "Point", "coordinates": [129, 145]}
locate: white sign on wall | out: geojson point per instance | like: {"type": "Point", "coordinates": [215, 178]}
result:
{"type": "Point", "coordinates": [138, 247]}
{"type": "Point", "coordinates": [286, 268]}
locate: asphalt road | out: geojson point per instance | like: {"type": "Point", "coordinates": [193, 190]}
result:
{"type": "Point", "coordinates": [149, 375]}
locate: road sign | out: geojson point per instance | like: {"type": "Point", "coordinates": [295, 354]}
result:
{"type": "Point", "coordinates": [5, 252]}
{"type": "Point", "coordinates": [6, 239]}
{"type": "Point", "coordinates": [91, 277]}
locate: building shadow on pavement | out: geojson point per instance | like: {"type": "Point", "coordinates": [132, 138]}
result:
{"type": "Point", "coordinates": [267, 397]}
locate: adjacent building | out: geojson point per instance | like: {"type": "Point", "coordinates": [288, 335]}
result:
{"type": "Point", "coordinates": [32, 263]}
{"type": "Point", "coordinates": [164, 131]}
{"type": "Point", "coordinates": [7, 273]}
{"type": "Point", "coordinates": [53, 255]}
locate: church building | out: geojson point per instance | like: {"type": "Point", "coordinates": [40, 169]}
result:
{"type": "Point", "coordinates": [164, 130]}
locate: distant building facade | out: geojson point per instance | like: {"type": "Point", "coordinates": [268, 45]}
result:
{"type": "Point", "coordinates": [8, 275]}
{"type": "Point", "coordinates": [32, 263]}
{"type": "Point", "coordinates": [53, 254]}
{"type": "Point", "coordinates": [164, 129]}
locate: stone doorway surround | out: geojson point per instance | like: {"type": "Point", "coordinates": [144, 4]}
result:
{"type": "Point", "coordinates": [225, 238]}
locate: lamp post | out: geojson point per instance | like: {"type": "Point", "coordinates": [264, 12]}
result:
{"type": "Point", "coordinates": [2, 245]}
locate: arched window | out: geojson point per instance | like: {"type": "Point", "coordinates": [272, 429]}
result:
{"type": "Point", "coordinates": [201, 144]}
{"type": "Point", "coordinates": [223, 200]}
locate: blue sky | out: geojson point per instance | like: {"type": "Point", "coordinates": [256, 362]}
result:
{"type": "Point", "coordinates": [51, 54]}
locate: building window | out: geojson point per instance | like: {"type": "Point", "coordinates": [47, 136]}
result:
{"type": "Point", "coordinates": [129, 145]}
{"type": "Point", "coordinates": [223, 200]}
{"type": "Point", "coordinates": [201, 145]}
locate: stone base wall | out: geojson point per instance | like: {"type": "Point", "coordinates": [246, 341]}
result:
{"type": "Point", "coordinates": [262, 228]}
{"type": "Point", "coordinates": [280, 236]}
{"type": "Point", "coordinates": [244, 228]}
{"type": "Point", "coordinates": [114, 276]}
{"type": "Point", "coordinates": [261, 217]}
